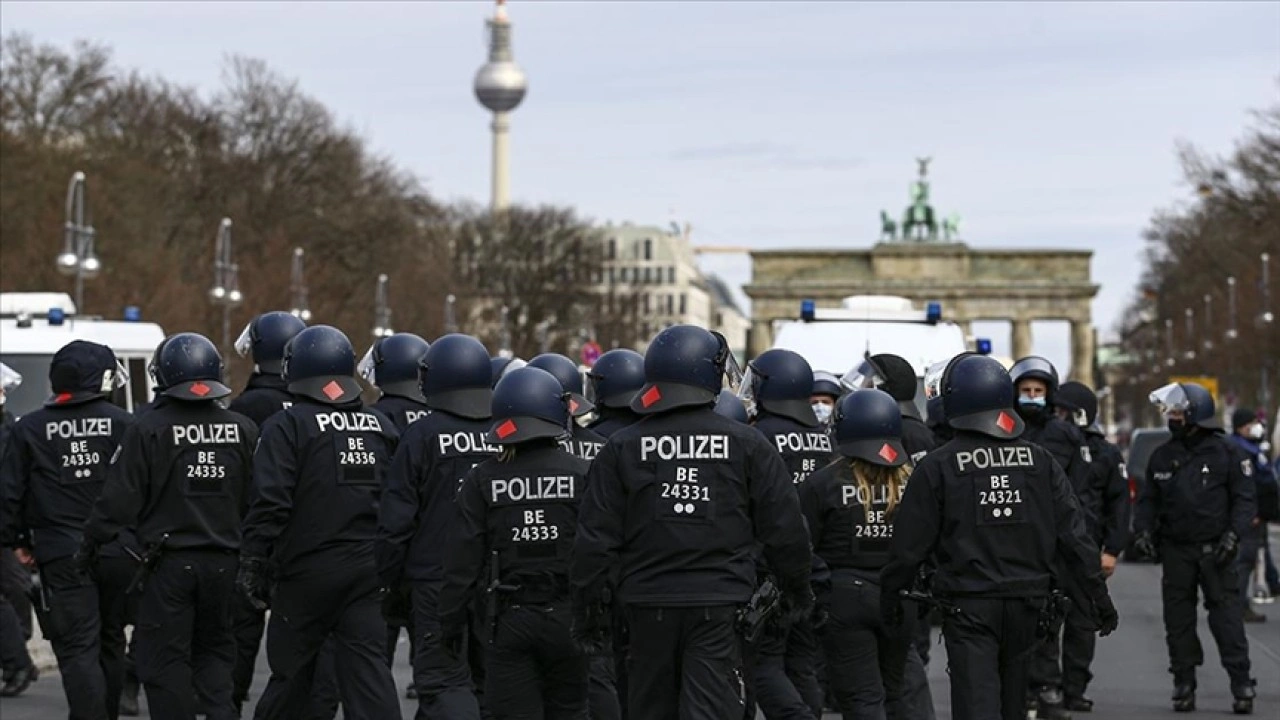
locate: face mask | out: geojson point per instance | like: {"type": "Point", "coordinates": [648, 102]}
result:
{"type": "Point", "coordinates": [1257, 432]}
{"type": "Point", "coordinates": [823, 411]}
{"type": "Point", "coordinates": [1032, 409]}
{"type": "Point", "coordinates": [1179, 429]}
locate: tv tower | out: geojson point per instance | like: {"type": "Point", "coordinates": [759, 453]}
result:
{"type": "Point", "coordinates": [500, 86]}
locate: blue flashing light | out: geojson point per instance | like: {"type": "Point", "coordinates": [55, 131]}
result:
{"type": "Point", "coordinates": [132, 313]}
{"type": "Point", "coordinates": [56, 316]}
{"type": "Point", "coordinates": [808, 309]}
{"type": "Point", "coordinates": [933, 312]}
{"type": "Point", "coordinates": [984, 345]}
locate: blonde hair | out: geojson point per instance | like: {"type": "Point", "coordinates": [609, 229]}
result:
{"type": "Point", "coordinates": [869, 475]}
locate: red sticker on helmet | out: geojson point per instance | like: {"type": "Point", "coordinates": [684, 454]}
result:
{"type": "Point", "coordinates": [651, 397]}
{"type": "Point", "coordinates": [888, 453]}
{"type": "Point", "coordinates": [506, 429]}
{"type": "Point", "coordinates": [333, 390]}
{"type": "Point", "coordinates": [1005, 423]}
{"type": "Point", "coordinates": [573, 405]}
{"type": "Point", "coordinates": [199, 389]}
{"type": "Point", "coordinates": [62, 397]}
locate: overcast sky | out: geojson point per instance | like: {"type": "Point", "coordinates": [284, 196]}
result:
{"type": "Point", "coordinates": [766, 124]}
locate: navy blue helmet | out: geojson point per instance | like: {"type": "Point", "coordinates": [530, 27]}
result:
{"type": "Point", "coordinates": [320, 364]}
{"type": "Point", "coordinates": [265, 338]}
{"type": "Point", "coordinates": [454, 376]}
{"type": "Point", "coordinates": [528, 404]}
{"type": "Point", "coordinates": [187, 366]}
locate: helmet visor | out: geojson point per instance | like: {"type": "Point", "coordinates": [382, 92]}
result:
{"type": "Point", "coordinates": [746, 388]}
{"type": "Point", "coordinates": [1029, 365]}
{"type": "Point", "coordinates": [933, 379]}
{"type": "Point", "coordinates": [733, 376]}
{"type": "Point", "coordinates": [9, 378]}
{"type": "Point", "coordinates": [116, 378]}
{"type": "Point", "coordinates": [244, 343]}
{"type": "Point", "coordinates": [1171, 397]}
{"type": "Point", "coordinates": [368, 367]}
{"type": "Point", "coordinates": [862, 376]}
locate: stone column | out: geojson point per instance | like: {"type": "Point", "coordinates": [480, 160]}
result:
{"type": "Point", "coordinates": [760, 337]}
{"type": "Point", "coordinates": [966, 327]}
{"type": "Point", "coordinates": [1021, 340]}
{"type": "Point", "coordinates": [1082, 352]}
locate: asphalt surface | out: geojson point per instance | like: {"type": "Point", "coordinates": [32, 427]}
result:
{"type": "Point", "coordinates": [1131, 681]}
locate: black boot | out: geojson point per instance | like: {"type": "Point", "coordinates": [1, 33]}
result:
{"type": "Point", "coordinates": [1242, 694]}
{"type": "Point", "coordinates": [19, 681]}
{"type": "Point", "coordinates": [1049, 705]}
{"type": "Point", "coordinates": [1078, 703]}
{"type": "Point", "coordinates": [1184, 696]}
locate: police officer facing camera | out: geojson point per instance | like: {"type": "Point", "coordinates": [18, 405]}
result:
{"type": "Point", "coordinates": [826, 393]}
{"type": "Point", "coordinates": [391, 365]}
{"type": "Point", "coordinates": [1008, 515]}
{"type": "Point", "coordinates": [517, 515]}
{"type": "Point", "coordinates": [582, 442]}
{"type": "Point", "coordinates": [418, 510]}
{"type": "Point", "coordinates": [674, 508]}
{"type": "Point", "coordinates": [317, 477]}
{"type": "Point", "coordinates": [53, 470]}
{"type": "Point", "coordinates": [776, 389]}
{"type": "Point", "coordinates": [613, 381]}
{"type": "Point", "coordinates": [1196, 504]}
{"type": "Point", "coordinates": [849, 506]}
{"type": "Point", "coordinates": [181, 476]}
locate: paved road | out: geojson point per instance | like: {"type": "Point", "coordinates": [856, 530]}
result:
{"type": "Point", "coordinates": [1132, 682]}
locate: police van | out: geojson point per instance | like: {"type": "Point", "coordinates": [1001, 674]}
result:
{"type": "Point", "coordinates": [34, 326]}
{"type": "Point", "coordinates": [836, 339]}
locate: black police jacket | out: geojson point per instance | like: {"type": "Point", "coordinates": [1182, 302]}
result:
{"type": "Point", "coordinates": [804, 449]}
{"type": "Point", "coordinates": [1067, 445]}
{"type": "Point", "coordinates": [917, 439]}
{"type": "Point", "coordinates": [612, 420]}
{"type": "Point", "coordinates": [417, 508]}
{"type": "Point", "coordinates": [264, 395]}
{"type": "Point", "coordinates": [997, 516]}
{"type": "Point", "coordinates": [183, 470]}
{"type": "Point", "coordinates": [6, 427]}
{"type": "Point", "coordinates": [849, 529]}
{"type": "Point", "coordinates": [317, 474]}
{"type": "Point", "coordinates": [402, 411]}
{"type": "Point", "coordinates": [584, 444]}
{"type": "Point", "coordinates": [1196, 490]}
{"type": "Point", "coordinates": [518, 518]}
{"type": "Point", "coordinates": [54, 467]}
{"type": "Point", "coordinates": [674, 507]}
{"type": "Point", "coordinates": [1110, 491]}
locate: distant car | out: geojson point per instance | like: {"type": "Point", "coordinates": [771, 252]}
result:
{"type": "Point", "coordinates": [1142, 444]}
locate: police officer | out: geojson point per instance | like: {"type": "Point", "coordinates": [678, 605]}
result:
{"type": "Point", "coordinates": [614, 380]}
{"type": "Point", "coordinates": [778, 386]}
{"type": "Point", "coordinates": [1196, 504]}
{"type": "Point", "coordinates": [1036, 383]}
{"type": "Point", "coordinates": [582, 442]}
{"type": "Point", "coordinates": [1110, 491]}
{"type": "Point", "coordinates": [391, 365]}
{"type": "Point", "coordinates": [317, 476]}
{"type": "Point", "coordinates": [417, 511]}
{"type": "Point", "coordinates": [1248, 434]}
{"type": "Point", "coordinates": [53, 470]}
{"type": "Point", "coordinates": [19, 670]}
{"type": "Point", "coordinates": [993, 510]}
{"type": "Point", "coordinates": [826, 393]}
{"type": "Point", "coordinates": [518, 515]}
{"type": "Point", "coordinates": [181, 476]}
{"type": "Point", "coordinates": [675, 506]}
{"type": "Point", "coordinates": [849, 505]}
{"type": "Point", "coordinates": [265, 394]}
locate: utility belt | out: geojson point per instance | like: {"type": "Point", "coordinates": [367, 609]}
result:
{"type": "Point", "coordinates": [535, 590]}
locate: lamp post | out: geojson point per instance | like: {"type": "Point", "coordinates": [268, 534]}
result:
{"type": "Point", "coordinates": [381, 309]}
{"type": "Point", "coordinates": [77, 257]}
{"type": "Point", "coordinates": [1168, 342]}
{"type": "Point", "coordinates": [1266, 319]}
{"type": "Point", "coordinates": [299, 307]}
{"type": "Point", "coordinates": [450, 314]}
{"type": "Point", "coordinates": [1191, 335]}
{"type": "Point", "coordinates": [226, 281]}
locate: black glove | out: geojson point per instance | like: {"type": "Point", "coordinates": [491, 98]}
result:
{"type": "Point", "coordinates": [797, 603]}
{"type": "Point", "coordinates": [1228, 549]}
{"type": "Point", "coordinates": [1145, 545]}
{"type": "Point", "coordinates": [452, 637]}
{"type": "Point", "coordinates": [252, 581]}
{"type": "Point", "coordinates": [397, 606]}
{"type": "Point", "coordinates": [891, 613]}
{"type": "Point", "coordinates": [1108, 618]}
{"type": "Point", "coordinates": [86, 558]}
{"type": "Point", "coordinates": [592, 622]}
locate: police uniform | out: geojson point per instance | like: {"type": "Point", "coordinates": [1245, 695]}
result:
{"type": "Point", "coordinates": [54, 468]}
{"type": "Point", "coordinates": [997, 514]}
{"type": "Point", "coordinates": [317, 476]}
{"type": "Point", "coordinates": [610, 420]}
{"type": "Point", "coordinates": [519, 517]}
{"type": "Point", "coordinates": [182, 478]}
{"type": "Point", "coordinates": [402, 411]}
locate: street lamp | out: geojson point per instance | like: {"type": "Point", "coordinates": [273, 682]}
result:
{"type": "Point", "coordinates": [299, 307]}
{"type": "Point", "coordinates": [381, 310]}
{"type": "Point", "coordinates": [1266, 319]}
{"type": "Point", "coordinates": [1191, 335]}
{"type": "Point", "coordinates": [1208, 322]}
{"type": "Point", "coordinates": [504, 344]}
{"type": "Point", "coordinates": [226, 281]}
{"type": "Point", "coordinates": [1232, 333]}
{"type": "Point", "coordinates": [78, 257]}
{"type": "Point", "coordinates": [450, 316]}
{"type": "Point", "coordinates": [1168, 342]}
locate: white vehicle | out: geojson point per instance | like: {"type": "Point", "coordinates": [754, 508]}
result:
{"type": "Point", "coordinates": [34, 326]}
{"type": "Point", "coordinates": [836, 339]}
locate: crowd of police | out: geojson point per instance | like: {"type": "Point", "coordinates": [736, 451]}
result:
{"type": "Point", "coordinates": [671, 537]}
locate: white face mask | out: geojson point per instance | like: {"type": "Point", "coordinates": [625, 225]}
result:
{"type": "Point", "coordinates": [1257, 431]}
{"type": "Point", "coordinates": [823, 411]}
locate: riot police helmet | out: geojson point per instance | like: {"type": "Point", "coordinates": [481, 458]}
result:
{"type": "Point", "coordinates": [529, 404]}
{"type": "Point", "coordinates": [265, 337]}
{"type": "Point", "coordinates": [868, 426]}
{"type": "Point", "coordinates": [779, 382]}
{"type": "Point", "coordinates": [82, 371]}
{"type": "Point", "coordinates": [826, 383]}
{"type": "Point", "coordinates": [977, 395]}
{"type": "Point", "coordinates": [685, 366]}
{"type": "Point", "coordinates": [1191, 399]}
{"type": "Point", "coordinates": [320, 364]}
{"type": "Point", "coordinates": [887, 372]}
{"type": "Point", "coordinates": [1034, 367]}
{"type": "Point", "coordinates": [615, 377]}
{"type": "Point", "coordinates": [188, 366]}
{"type": "Point", "coordinates": [391, 365]}
{"type": "Point", "coordinates": [730, 406]}
{"type": "Point", "coordinates": [500, 365]}
{"type": "Point", "coordinates": [566, 371]}
{"type": "Point", "coordinates": [1077, 399]}
{"type": "Point", "coordinates": [455, 377]}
